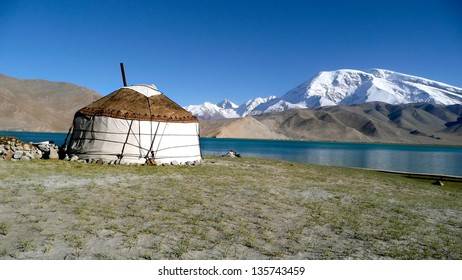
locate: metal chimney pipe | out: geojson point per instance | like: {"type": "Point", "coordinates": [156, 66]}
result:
{"type": "Point", "coordinates": [123, 74]}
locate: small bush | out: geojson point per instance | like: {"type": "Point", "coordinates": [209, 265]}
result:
{"type": "Point", "coordinates": [4, 228]}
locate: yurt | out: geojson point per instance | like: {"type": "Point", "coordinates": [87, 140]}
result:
{"type": "Point", "coordinates": [135, 124]}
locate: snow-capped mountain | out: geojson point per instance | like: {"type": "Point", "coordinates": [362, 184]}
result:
{"type": "Point", "coordinates": [249, 106]}
{"type": "Point", "coordinates": [226, 104]}
{"type": "Point", "coordinates": [340, 87]}
{"type": "Point", "coordinates": [210, 111]}
{"type": "Point", "coordinates": [226, 109]}
{"type": "Point", "coordinates": [347, 87]}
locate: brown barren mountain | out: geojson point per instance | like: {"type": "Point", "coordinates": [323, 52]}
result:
{"type": "Point", "coordinates": [370, 122]}
{"type": "Point", "coordinates": [39, 105]}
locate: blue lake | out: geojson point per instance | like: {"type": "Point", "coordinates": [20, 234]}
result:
{"type": "Point", "coordinates": [406, 158]}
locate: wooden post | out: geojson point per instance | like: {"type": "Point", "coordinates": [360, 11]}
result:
{"type": "Point", "coordinates": [123, 74]}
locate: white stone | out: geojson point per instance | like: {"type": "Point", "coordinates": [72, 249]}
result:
{"type": "Point", "coordinates": [53, 154]}
{"type": "Point", "coordinates": [29, 155]}
{"type": "Point", "coordinates": [18, 154]}
{"type": "Point", "coordinates": [37, 154]}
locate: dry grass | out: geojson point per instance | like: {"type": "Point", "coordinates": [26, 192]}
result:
{"type": "Point", "coordinates": [225, 209]}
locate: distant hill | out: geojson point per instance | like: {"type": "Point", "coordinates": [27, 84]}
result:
{"type": "Point", "coordinates": [39, 105]}
{"type": "Point", "coordinates": [420, 123]}
{"type": "Point", "coordinates": [341, 87]}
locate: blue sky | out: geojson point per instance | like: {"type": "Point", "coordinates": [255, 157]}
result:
{"type": "Point", "coordinates": [197, 51]}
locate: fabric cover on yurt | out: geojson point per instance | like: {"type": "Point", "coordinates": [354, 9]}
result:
{"type": "Point", "coordinates": [133, 124]}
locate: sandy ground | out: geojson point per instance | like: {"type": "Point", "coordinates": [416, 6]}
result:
{"type": "Point", "coordinates": [223, 209]}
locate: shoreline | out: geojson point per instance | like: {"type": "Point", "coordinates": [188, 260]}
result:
{"type": "Point", "coordinates": [340, 142]}
{"type": "Point", "coordinates": [2, 133]}
{"type": "Point", "coordinates": [442, 159]}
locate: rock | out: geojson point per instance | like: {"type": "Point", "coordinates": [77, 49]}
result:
{"type": "Point", "coordinates": [439, 183]}
{"type": "Point", "coordinates": [28, 155]}
{"type": "Point", "coordinates": [231, 154]}
{"type": "Point", "coordinates": [37, 154]}
{"type": "Point", "coordinates": [82, 161]}
{"type": "Point", "coordinates": [53, 154]}
{"type": "Point", "coordinates": [9, 156]}
{"type": "Point", "coordinates": [150, 161]}
{"type": "Point", "coordinates": [174, 162]}
{"type": "Point", "coordinates": [18, 154]}
{"type": "Point", "coordinates": [44, 147]}
{"type": "Point", "coordinates": [23, 158]}
{"type": "Point", "coordinates": [26, 147]}
{"type": "Point", "coordinates": [99, 161]}
{"type": "Point", "coordinates": [74, 158]}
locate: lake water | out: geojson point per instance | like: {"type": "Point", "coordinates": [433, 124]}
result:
{"type": "Point", "coordinates": [406, 158]}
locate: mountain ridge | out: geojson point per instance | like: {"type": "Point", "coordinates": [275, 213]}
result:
{"type": "Point", "coordinates": [40, 105]}
{"type": "Point", "coordinates": [344, 87]}
{"type": "Point", "coordinates": [372, 122]}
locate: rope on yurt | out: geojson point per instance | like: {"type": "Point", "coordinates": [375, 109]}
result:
{"type": "Point", "coordinates": [160, 141]}
{"type": "Point", "coordinates": [198, 131]}
{"type": "Point", "coordinates": [67, 136]}
{"type": "Point", "coordinates": [92, 129]}
{"type": "Point", "coordinates": [121, 155]}
{"type": "Point", "coordinates": [63, 149]}
{"type": "Point", "coordinates": [150, 129]}
{"type": "Point", "coordinates": [152, 142]}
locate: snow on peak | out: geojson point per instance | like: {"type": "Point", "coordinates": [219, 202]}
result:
{"type": "Point", "coordinates": [227, 104]}
{"type": "Point", "coordinates": [209, 110]}
{"type": "Point", "coordinates": [341, 87]}
{"type": "Point", "coordinates": [248, 107]}
{"type": "Point", "coordinates": [346, 87]}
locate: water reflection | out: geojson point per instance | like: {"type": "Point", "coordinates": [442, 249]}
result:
{"type": "Point", "coordinates": [422, 159]}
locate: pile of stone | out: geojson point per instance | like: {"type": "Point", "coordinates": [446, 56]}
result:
{"type": "Point", "coordinates": [149, 161]}
{"type": "Point", "coordinates": [11, 148]}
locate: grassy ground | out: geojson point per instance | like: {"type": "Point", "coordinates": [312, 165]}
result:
{"type": "Point", "coordinates": [241, 208]}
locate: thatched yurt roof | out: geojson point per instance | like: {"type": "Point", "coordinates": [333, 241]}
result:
{"type": "Point", "coordinates": [140, 102]}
